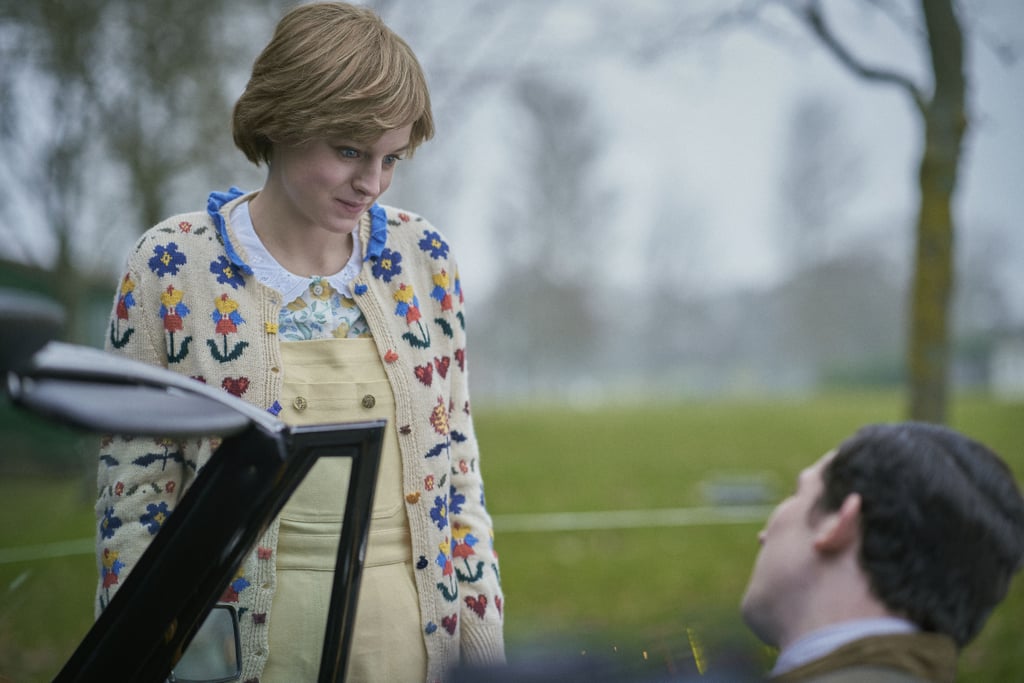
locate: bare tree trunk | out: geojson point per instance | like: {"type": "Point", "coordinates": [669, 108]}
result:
{"type": "Point", "coordinates": [945, 123]}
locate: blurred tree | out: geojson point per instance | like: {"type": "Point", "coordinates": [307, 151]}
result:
{"type": "Point", "coordinates": [542, 320]}
{"type": "Point", "coordinates": [820, 174]}
{"type": "Point", "coordinates": [943, 113]}
{"type": "Point", "coordinates": [105, 104]}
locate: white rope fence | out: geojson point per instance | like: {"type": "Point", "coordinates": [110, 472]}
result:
{"type": "Point", "coordinates": [631, 519]}
{"type": "Point", "coordinates": [511, 523]}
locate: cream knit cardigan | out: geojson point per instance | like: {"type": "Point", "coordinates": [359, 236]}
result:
{"type": "Point", "coordinates": [187, 303]}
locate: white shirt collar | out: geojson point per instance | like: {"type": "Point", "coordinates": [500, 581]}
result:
{"type": "Point", "coordinates": [819, 643]}
{"type": "Point", "coordinates": [268, 271]}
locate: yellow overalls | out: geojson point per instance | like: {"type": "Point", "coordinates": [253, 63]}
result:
{"type": "Point", "coordinates": [327, 381]}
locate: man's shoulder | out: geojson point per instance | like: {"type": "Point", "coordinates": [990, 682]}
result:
{"type": "Point", "coordinates": [892, 658]}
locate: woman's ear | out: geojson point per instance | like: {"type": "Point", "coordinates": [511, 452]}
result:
{"type": "Point", "coordinates": [840, 529]}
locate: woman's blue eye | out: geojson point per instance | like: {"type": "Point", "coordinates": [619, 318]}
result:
{"type": "Point", "coordinates": [392, 159]}
{"type": "Point", "coordinates": [348, 152]}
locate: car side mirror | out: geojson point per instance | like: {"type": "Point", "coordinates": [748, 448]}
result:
{"type": "Point", "coordinates": [215, 653]}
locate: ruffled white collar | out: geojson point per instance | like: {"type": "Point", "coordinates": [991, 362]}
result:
{"type": "Point", "coordinates": [269, 272]}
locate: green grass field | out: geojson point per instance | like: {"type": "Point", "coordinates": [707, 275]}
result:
{"type": "Point", "coordinates": [650, 596]}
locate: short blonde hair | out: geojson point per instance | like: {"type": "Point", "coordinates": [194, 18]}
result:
{"type": "Point", "coordinates": [331, 70]}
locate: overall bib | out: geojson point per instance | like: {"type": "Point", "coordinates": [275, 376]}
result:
{"type": "Point", "coordinates": [328, 381]}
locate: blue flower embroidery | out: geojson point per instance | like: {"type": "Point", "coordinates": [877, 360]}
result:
{"type": "Point", "coordinates": [457, 501]}
{"type": "Point", "coordinates": [166, 260]}
{"type": "Point", "coordinates": [226, 273]}
{"type": "Point", "coordinates": [388, 265]}
{"type": "Point", "coordinates": [240, 584]}
{"type": "Point", "coordinates": [110, 523]}
{"type": "Point", "coordinates": [155, 517]}
{"type": "Point", "coordinates": [434, 245]}
{"type": "Point", "coordinates": [439, 513]}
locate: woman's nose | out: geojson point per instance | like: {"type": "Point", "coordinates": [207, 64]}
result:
{"type": "Point", "coordinates": [368, 180]}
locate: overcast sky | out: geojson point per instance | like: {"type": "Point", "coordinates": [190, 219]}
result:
{"type": "Point", "coordinates": [702, 131]}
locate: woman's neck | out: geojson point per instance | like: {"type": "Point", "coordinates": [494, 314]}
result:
{"type": "Point", "coordinates": [304, 250]}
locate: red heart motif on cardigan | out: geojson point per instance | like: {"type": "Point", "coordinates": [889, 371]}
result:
{"type": "Point", "coordinates": [478, 604]}
{"type": "Point", "coordinates": [450, 623]}
{"type": "Point", "coordinates": [425, 373]}
{"type": "Point", "coordinates": [442, 365]}
{"type": "Point", "coordinates": [236, 386]}
{"type": "Point", "coordinates": [497, 603]}
{"type": "Point", "coordinates": [460, 358]}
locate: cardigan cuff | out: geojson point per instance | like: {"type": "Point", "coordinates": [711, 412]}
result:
{"type": "Point", "coordinates": [482, 644]}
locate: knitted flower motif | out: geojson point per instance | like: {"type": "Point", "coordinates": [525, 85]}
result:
{"type": "Point", "coordinates": [428, 482]}
{"type": "Point", "coordinates": [444, 559]}
{"type": "Point", "coordinates": [125, 299]}
{"type": "Point", "coordinates": [434, 245]}
{"type": "Point", "coordinates": [439, 418]}
{"type": "Point", "coordinates": [463, 540]}
{"type": "Point", "coordinates": [388, 265]}
{"type": "Point", "coordinates": [235, 588]}
{"type": "Point", "coordinates": [442, 283]}
{"type": "Point", "coordinates": [172, 310]}
{"type": "Point", "coordinates": [226, 273]}
{"type": "Point", "coordinates": [408, 304]}
{"type": "Point", "coordinates": [456, 502]}
{"type": "Point", "coordinates": [166, 260]}
{"type": "Point", "coordinates": [155, 517]}
{"type": "Point", "coordinates": [458, 288]}
{"type": "Point", "coordinates": [109, 524]}
{"type": "Point", "coordinates": [112, 567]}
{"type": "Point", "coordinates": [439, 513]}
{"type": "Point", "coordinates": [225, 315]}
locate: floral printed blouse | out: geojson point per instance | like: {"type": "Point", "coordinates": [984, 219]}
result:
{"type": "Point", "coordinates": [320, 307]}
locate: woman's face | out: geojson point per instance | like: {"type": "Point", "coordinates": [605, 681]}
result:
{"type": "Point", "coordinates": [329, 184]}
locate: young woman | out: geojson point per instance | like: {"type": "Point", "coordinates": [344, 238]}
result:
{"type": "Point", "coordinates": [312, 300]}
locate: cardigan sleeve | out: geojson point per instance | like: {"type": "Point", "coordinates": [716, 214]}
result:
{"type": "Point", "coordinates": [476, 561]}
{"type": "Point", "coordinates": [139, 480]}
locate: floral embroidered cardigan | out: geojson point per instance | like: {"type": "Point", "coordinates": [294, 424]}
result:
{"type": "Point", "coordinates": [188, 302]}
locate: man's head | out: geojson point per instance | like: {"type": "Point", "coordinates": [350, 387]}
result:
{"type": "Point", "coordinates": [909, 520]}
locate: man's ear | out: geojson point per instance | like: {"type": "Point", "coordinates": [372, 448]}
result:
{"type": "Point", "coordinates": [840, 529]}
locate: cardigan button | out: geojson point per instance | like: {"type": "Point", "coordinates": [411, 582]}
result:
{"type": "Point", "coordinates": [369, 401]}
{"type": "Point", "coordinates": [300, 403]}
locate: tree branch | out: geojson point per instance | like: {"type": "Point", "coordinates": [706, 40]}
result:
{"type": "Point", "coordinates": [812, 15]}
